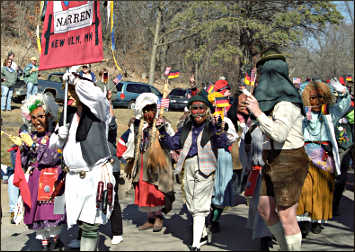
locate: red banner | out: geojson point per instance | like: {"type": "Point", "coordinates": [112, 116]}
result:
{"type": "Point", "coordinates": [71, 34]}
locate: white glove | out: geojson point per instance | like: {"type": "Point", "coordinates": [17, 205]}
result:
{"type": "Point", "coordinates": [63, 132]}
{"type": "Point", "coordinates": [337, 86]}
{"type": "Point", "coordinates": [69, 77]}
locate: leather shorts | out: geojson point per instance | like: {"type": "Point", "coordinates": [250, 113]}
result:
{"type": "Point", "coordinates": [284, 174]}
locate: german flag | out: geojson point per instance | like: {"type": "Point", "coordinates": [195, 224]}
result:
{"type": "Point", "coordinates": [222, 101]}
{"type": "Point", "coordinates": [210, 88]}
{"type": "Point", "coordinates": [173, 74]}
{"type": "Point", "coordinates": [247, 79]}
{"type": "Point", "coordinates": [349, 78]}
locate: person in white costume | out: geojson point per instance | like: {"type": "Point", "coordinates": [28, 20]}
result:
{"type": "Point", "coordinates": [87, 158]}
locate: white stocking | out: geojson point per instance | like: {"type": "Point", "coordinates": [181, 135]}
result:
{"type": "Point", "coordinates": [278, 231]}
{"type": "Point", "coordinates": [294, 242]}
{"type": "Point", "coordinates": [198, 226]}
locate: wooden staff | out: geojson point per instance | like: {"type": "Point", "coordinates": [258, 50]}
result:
{"type": "Point", "coordinates": [157, 157]}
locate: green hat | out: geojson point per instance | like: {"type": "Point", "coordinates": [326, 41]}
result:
{"type": "Point", "coordinates": [202, 97]}
{"type": "Point", "coordinates": [270, 53]}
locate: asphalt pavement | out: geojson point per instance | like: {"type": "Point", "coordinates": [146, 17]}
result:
{"type": "Point", "coordinates": [337, 234]}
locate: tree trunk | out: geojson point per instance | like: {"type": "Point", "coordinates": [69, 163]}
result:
{"type": "Point", "coordinates": [154, 49]}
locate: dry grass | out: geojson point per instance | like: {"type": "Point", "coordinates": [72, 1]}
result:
{"type": "Point", "coordinates": [11, 122]}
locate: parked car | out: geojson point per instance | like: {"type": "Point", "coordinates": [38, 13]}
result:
{"type": "Point", "coordinates": [52, 85]}
{"type": "Point", "coordinates": [178, 98]}
{"type": "Point", "coordinates": [19, 91]}
{"type": "Point", "coordinates": [128, 91]}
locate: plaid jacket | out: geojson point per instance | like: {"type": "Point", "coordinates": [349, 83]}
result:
{"type": "Point", "coordinates": [207, 160]}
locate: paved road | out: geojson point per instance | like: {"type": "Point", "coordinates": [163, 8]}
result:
{"type": "Point", "coordinates": [338, 234]}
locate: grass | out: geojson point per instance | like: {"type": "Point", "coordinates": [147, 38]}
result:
{"type": "Point", "coordinates": [12, 121]}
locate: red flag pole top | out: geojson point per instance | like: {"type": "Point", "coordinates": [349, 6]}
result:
{"type": "Point", "coordinates": [71, 34]}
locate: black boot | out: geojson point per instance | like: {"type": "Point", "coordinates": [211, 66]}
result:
{"type": "Point", "coordinates": [215, 228]}
{"type": "Point", "coordinates": [57, 245]}
{"type": "Point", "coordinates": [316, 228]}
{"type": "Point", "coordinates": [305, 227]}
{"type": "Point", "coordinates": [265, 243]}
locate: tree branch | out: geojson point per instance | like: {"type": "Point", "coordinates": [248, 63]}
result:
{"type": "Point", "coordinates": [176, 40]}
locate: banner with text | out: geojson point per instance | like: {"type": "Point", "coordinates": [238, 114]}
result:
{"type": "Point", "coordinates": [71, 34]}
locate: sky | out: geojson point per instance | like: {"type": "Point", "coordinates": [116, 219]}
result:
{"type": "Point", "coordinates": [341, 6]}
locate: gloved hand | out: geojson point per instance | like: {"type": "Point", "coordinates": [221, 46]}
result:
{"type": "Point", "coordinates": [337, 85]}
{"type": "Point", "coordinates": [68, 76]}
{"type": "Point", "coordinates": [63, 132]}
{"type": "Point", "coordinates": [26, 138]}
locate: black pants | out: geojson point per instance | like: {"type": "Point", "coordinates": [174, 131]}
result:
{"type": "Point", "coordinates": [340, 180]}
{"type": "Point", "coordinates": [116, 216]}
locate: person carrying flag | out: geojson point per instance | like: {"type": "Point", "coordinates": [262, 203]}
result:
{"type": "Point", "coordinates": [150, 168]}
{"type": "Point", "coordinates": [89, 181]}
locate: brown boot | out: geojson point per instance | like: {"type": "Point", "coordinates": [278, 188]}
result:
{"type": "Point", "coordinates": [158, 224]}
{"type": "Point", "coordinates": [149, 224]}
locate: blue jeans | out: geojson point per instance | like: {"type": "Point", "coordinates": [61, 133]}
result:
{"type": "Point", "coordinates": [6, 96]}
{"type": "Point", "coordinates": [32, 89]}
{"type": "Point", "coordinates": [13, 193]}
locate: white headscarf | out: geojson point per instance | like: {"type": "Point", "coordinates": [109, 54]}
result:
{"type": "Point", "coordinates": [142, 101]}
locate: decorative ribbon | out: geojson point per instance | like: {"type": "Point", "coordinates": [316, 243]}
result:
{"type": "Point", "coordinates": [38, 38]}
{"type": "Point", "coordinates": [113, 47]}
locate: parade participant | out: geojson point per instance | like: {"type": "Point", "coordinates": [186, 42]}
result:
{"type": "Point", "coordinates": [222, 191]}
{"type": "Point", "coordinates": [116, 216]}
{"type": "Point", "coordinates": [222, 86]}
{"type": "Point", "coordinates": [277, 107]}
{"type": "Point", "coordinates": [318, 128]}
{"type": "Point", "coordinates": [43, 165]}
{"type": "Point", "coordinates": [8, 81]}
{"type": "Point", "coordinates": [87, 73]}
{"type": "Point", "coordinates": [248, 156]}
{"type": "Point", "coordinates": [239, 115]}
{"type": "Point", "coordinates": [344, 135]}
{"type": "Point", "coordinates": [31, 77]}
{"type": "Point", "coordinates": [199, 138]}
{"type": "Point", "coordinates": [149, 166]}
{"type": "Point", "coordinates": [89, 181]}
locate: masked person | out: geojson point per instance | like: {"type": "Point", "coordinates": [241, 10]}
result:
{"type": "Point", "coordinates": [149, 164]}
{"type": "Point", "coordinates": [278, 109]}
{"type": "Point", "coordinates": [316, 200]}
{"type": "Point", "coordinates": [199, 138]}
{"type": "Point", "coordinates": [248, 158]}
{"type": "Point", "coordinates": [43, 165]}
{"type": "Point", "coordinates": [89, 181]}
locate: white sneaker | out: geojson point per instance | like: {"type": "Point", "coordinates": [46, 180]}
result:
{"type": "Point", "coordinates": [74, 244]}
{"type": "Point", "coordinates": [116, 239]}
